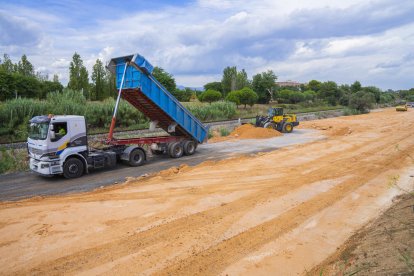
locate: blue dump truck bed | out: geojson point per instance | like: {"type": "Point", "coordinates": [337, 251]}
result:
{"type": "Point", "coordinates": [144, 92]}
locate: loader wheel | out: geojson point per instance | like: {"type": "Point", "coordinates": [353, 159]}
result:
{"type": "Point", "coordinates": [189, 147]}
{"type": "Point", "coordinates": [269, 125]}
{"type": "Point", "coordinates": [73, 168]}
{"type": "Point", "coordinates": [287, 128]}
{"type": "Point", "coordinates": [175, 150]}
{"type": "Point", "coordinates": [136, 158]}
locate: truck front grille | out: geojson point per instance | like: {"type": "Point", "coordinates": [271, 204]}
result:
{"type": "Point", "coordinates": [35, 151]}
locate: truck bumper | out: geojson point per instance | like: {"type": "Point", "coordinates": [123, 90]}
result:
{"type": "Point", "coordinates": [45, 168]}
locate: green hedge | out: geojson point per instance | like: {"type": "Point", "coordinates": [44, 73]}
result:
{"type": "Point", "coordinates": [15, 114]}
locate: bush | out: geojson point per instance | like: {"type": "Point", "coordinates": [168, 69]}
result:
{"type": "Point", "coordinates": [244, 96]}
{"type": "Point", "coordinates": [210, 96]}
{"type": "Point", "coordinates": [309, 95]}
{"type": "Point", "coordinates": [289, 96]}
{"type": "Point", "coordinates": [183, 95]}
{"type": "Point", "coordinates": [362, 101]}
{"type": "Point", "coordinates": [248, 96]}
{"type": "Point", "coordinates": [350, 111]}
{"type": "Point", "coordinates": [12, 160]}
{"type": "Point", "coordinates": [234, 97]}
{"type": "Point", "coordinates": [15, 114]}
{"type": "Point", "coordinates": [224, 132]}
{"type": "Point", "coordinates": [213, 111]}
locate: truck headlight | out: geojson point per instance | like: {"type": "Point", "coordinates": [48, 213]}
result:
{"type": "Point", "coordinates": [51, 155]}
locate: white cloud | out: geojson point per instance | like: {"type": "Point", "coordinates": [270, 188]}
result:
{"type": "Point", "coordinates": [301, 40]}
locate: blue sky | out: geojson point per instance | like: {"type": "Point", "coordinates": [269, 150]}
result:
{"type": "Point", "coordinates": [370, 41]}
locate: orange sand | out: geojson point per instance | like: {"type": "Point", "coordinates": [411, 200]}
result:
{"type": "Point", "coordinates": [280, 213]}
{"type": "Point", "coordinates": [247, 131]}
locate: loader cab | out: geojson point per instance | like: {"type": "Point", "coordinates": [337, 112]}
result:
{"type": "Point", "coordinates": [275, 111]}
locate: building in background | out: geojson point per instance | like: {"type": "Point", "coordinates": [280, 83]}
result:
{"type": "Point", "coordinates": [288, 83]}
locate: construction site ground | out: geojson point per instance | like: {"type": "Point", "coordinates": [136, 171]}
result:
{"type": "Point", "coordinates": [26, 185]}
{"type": "Point", "coordinates": [290, 211]}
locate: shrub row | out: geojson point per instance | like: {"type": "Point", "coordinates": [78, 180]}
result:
{"type": "Point", "coordinates": [15, 114]}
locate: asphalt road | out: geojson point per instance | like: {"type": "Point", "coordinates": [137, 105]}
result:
{"type": "Point", "coordinates": [25, 185]}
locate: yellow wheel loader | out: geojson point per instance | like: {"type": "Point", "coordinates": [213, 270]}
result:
{"type": "Point", "coordinates": [276, 119]}
{"type": "Point", "coordinates": [401, 108]}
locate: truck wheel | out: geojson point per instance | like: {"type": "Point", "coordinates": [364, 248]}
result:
{"type": "Point", "coordinates": [175, 150]}
{"type": "Point", "coordinates": [73, 168]}
{"type": "Point", "coordinates": [136, 158]}
{"type": "Point", "coordinates": [189, 147]}
{"type": "Point", "coordinates": [287, 128]}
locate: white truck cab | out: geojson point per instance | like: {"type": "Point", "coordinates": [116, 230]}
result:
{"type": "Point", "coordinates": [52, 139]}
{"type": "Point", "coordinates": [59, 145]}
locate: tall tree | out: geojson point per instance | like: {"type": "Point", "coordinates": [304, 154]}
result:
{"type": "Point", "coordinates": [314, 85]}
{"type": "Point", "coordinates": [229, 80]}
{"type": "Point", "coordinates": [99, 79]}
{"type": "Point", "coordinates": [110, 90]}
{"type": "Point", "coordinates": [263, 84]}
{"type": "Point", "coordinates": [55, 78]}
{"type": "Point", "coordinates": [78, 75]}
{"type": "Point", "coordinates": [375, 91]}
{"type": "Point", "coordinates": [25, 68]}
{"type": "Point", "coordinates": [215, 85]}
{"type": "Point", "coordinates": [7, 65]}
{"type": "Point", "coordinates": [165, 78]}
{"type": "Point", "coordinates": [330, 92]}
{"type": "Point", "coordinates": [241, 80]}
{"type": "Point", "coordinates": [356, 86]}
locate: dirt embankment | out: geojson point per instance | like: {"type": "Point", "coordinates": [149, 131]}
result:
{"type": "Point", "coordinates": [278, 213]}
{"type": "Point", "coordinates": [383, 247]}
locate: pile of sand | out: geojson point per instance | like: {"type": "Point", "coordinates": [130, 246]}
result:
{"type": "Point", "coordinates": [248, 131]}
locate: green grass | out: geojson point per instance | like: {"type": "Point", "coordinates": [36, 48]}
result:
{"type": "Point", "coordinates": [13, 160]}
{"type": "Point", "coordinates": [224, 131]}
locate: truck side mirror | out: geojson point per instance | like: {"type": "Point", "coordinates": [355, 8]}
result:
{"type": "Point", "coordinates": [52, 135]}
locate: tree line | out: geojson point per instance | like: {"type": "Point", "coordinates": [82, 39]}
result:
{"type": "Point", "coordinates": [262, 88]}
{"type": "Point", "coordinates": [21, 80]}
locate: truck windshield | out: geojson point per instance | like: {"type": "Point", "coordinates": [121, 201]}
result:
{"type": "Point", "coordinates": [38, 131]}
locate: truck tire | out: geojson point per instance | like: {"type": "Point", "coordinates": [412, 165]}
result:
{"type": "Point", "coordinates": [136, 158]}
{"type": "Point", "coordinates": [189, 147]}
{"type": "Point", "coordinates": [287, 128]}
{"type": "Point", "coordinates": [73, 168]}
{"type": "Point", "coordinates": [175, 150]}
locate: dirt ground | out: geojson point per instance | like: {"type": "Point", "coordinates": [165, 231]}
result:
{"type": "Point", "coordinates": [383, 247]}
{"type": "Point", "coordinates": [281, 213]}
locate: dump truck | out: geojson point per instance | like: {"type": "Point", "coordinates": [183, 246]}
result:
{"type": "Point", "coordinates": [278, 120]}
{"type": "Point", "coordinates": [58, 144]}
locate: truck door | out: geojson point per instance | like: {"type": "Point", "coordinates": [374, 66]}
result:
{"type": "Point", "coordinates": [61, 138]}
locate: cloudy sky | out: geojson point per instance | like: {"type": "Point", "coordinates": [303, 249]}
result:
{"type": "Point", "coordinates": [370, 41]}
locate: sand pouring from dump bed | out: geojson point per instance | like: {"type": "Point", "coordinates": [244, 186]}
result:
{"type": "Point", "coordinates": [248, 131]}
